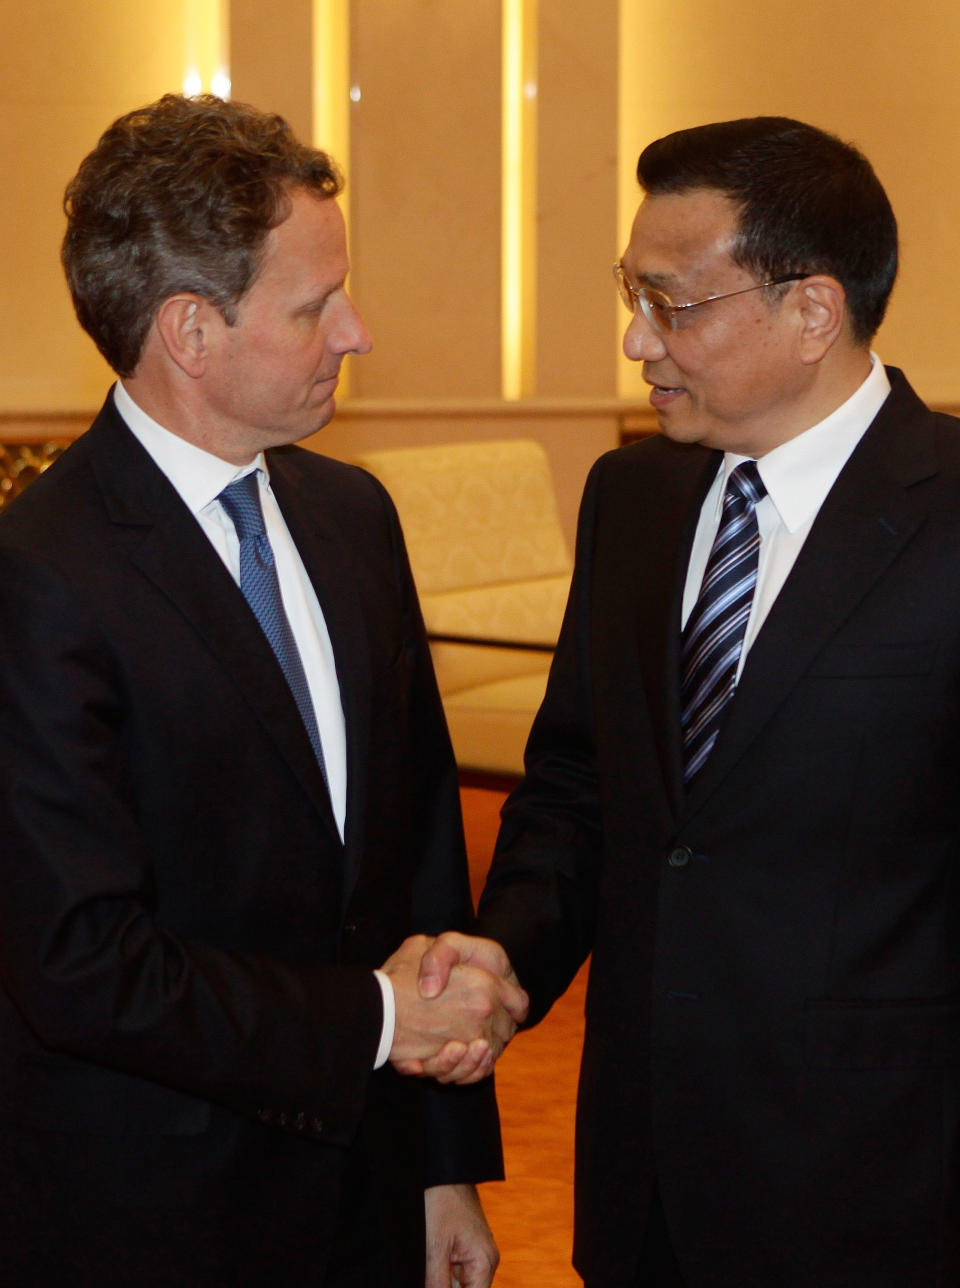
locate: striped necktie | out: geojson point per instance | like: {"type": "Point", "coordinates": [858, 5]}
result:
{"type": "Point", "coordinates": [713, 635]}
{"type": "Point", "coordinates": [261, 589]}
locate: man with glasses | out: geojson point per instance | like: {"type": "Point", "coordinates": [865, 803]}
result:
{"type": "Point", "coordinates": [743, 787]}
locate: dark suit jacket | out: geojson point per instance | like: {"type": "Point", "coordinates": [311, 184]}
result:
{"type": "Point", "coordinates": [188, 1019]}
{"type": "Point", "coordinates": [773, 1014]}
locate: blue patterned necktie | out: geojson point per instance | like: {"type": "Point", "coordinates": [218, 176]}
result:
{"type": "Point", "coordinates": [261, 589]}
{"type": "Point", "coordinates": [714, 633]}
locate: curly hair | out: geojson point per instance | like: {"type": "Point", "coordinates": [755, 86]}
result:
{"type": "Point", "coordinates": [178, 196]}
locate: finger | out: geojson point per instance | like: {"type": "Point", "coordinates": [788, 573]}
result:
{"type": "Point", "coordinates": [437, 1269]}
{"type": "Point", "coordinates": [409, 1068]}
{"type": "Point", "coordinates": [475, 951]}
{"type": "Point", "coordinates": [409, 953]}
{"type": "Point", "coordinates": [435, 967]}
{"type": "Point", "coordinates": [515, 1000]}
{"type": "Point", "coordinates": [446, 1059]}
{"type": "Point", "coordinates": [476, 1064]}
{"type": "Point", "coordinates": [500, 1035]}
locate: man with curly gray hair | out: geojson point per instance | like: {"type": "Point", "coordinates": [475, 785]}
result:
{"type": "Point", "coordinates": [228, 798]}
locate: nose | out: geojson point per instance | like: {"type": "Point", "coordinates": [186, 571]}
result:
{"type": "Point", "coordinates": [352, 333]}
{"type": "Point", "coordinates": [641, 343]}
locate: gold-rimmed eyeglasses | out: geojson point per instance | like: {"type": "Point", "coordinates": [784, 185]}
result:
{"type": "Point", "coordinates": [661, 312]}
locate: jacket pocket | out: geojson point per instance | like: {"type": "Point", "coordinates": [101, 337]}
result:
{"type": "Point", "coordinates": [902, 1034]}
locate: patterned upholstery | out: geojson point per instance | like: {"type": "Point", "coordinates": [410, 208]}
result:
{"type": "Point", "coordinates": [492, 569]}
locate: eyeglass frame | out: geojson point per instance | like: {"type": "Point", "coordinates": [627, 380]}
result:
{"type": "Point", "coordinates": [635, 297]}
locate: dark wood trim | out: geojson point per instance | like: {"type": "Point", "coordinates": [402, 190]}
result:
{"type": "Point", "coordinates": [486, 641]}
{"type": "Point", "coordinates": [41, 427]}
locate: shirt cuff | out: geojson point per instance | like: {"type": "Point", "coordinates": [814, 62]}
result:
{"type": "Point", "coordinates": [389, 1019]}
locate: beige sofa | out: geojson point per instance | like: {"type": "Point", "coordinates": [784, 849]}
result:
{"type": "Point", "coordinates": [492, 571]}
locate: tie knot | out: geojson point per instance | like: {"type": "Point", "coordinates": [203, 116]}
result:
{"type": "Point", "coordinates": [241, 500]}
{"type": "Point", "coordinates": [745, 482]}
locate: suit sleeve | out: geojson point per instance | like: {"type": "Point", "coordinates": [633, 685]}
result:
{"type": "Point", "coordinates": [87, 957]}
{"type": "Point", "coordinates": [541, 893]}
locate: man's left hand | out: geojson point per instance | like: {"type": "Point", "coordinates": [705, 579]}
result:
{"type": "Point", "coordinates": [460, 1246]}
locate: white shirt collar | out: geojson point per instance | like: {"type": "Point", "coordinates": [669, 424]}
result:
{"type": "Point", "coordinates": [800, 472]}
{"type": "Point", "coordinates": [197, 475]}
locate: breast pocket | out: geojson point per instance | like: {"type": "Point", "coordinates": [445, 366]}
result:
{"type": "Point", "coordinates": [885, 1034]}
{"type": "Point", "coordinates": [859, 660]}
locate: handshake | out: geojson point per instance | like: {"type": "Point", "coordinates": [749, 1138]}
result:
{"type": "Point", "coordinates": [458, 1004]}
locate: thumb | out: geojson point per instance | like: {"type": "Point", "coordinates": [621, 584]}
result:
{"type": "Point", "coordinates": [435, 967]}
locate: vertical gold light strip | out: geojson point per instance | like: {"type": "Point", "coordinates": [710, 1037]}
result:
{"type": "Point", "coordinates": [632, 133]}
{"type": "Point", "coordinates": [331, 87]}
{"type": "Point", "coordinates": [207, 32]}
{"type": "Point", "coordinates": [331, 100]}
{"type": "Point", "coordinates": [220, 81]}
{"type": "Point", "coordinates": [519, 198]}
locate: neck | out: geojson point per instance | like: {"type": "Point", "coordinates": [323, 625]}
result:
{"type": "Point", "coordinates": [831, 384]}
{"type": "Point", "coordinates": [176, 409]}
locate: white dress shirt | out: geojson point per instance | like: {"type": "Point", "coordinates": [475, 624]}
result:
{"type": "Point", "coordinates": [798, 475]}
{"type": "Point", "coordinates": [199, 477]}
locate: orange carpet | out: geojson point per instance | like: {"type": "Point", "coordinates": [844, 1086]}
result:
{"type": "Point", "coordinates": [532, 1211]}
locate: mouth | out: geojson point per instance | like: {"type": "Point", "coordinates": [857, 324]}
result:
{"type": "Point", "coordinates": [332, 381]}
{"type": "Point", "coordinates": [663, 395]}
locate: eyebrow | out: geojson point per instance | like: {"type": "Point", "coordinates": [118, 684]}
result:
{"type": "Point", "coordinates": [320, 294]}
{"type": "Point", "coordinates": [659, 281]}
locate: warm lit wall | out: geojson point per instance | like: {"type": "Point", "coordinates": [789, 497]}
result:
{"type": "Point", "coordinates": [577, 325]}
{"type": "Point", "coordinates": [425, 192]}
{"type": "Point", "coordinates": [66, 70]}
{"type": "Point", "coordinates": [883, 75]}
{"type": "Point", "coordinates": [424, 180]}
{"type": "Point", "coordinates": [425, 196]}
{"type": "Point", "coordinates": [271, 51]}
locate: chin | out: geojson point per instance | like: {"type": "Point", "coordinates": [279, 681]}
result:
{"type": "Point", "coordinates": [681, 431]}
{"type": "Point", "coordinates": [312, 421]}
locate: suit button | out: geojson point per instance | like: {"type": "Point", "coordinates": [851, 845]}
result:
{"type": "Point", "coordinates": [680, 856]}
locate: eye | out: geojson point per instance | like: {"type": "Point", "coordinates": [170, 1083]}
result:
{"type": "Point", "coordinates": [660, 307]}
{"type": "Point", "coordinates": [319, 305]}
{"type": "Point", "coordinates": [685, 317]}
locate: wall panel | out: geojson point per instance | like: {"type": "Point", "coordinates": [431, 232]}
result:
{"type": "Point", "coordinates": [66, 71]}
{"type": "Point", "coordinates": [882, 75]}
{"type": "Point", "coordinates": [425, 196]}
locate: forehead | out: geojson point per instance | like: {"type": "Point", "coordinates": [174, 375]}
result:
{"type": "Point", "coordinates": [309, 249]}
{"type": "Point", "coordinates": [678, 236]}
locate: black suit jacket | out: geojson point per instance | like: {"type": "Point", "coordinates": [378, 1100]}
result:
{"type": "Point", "coordinates": [773, 1014]}
{"type": "Point", "coordinates": [188, 1019]}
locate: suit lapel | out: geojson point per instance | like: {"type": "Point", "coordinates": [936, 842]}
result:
{"type": "Point", "coordinates": [670, 517]}
{"type": "Point", "coordinates": [870, 514]}
{"type": "Point", "coordinates": [329, 565]}
{"type": "Point", "coordinates": [165, 542]}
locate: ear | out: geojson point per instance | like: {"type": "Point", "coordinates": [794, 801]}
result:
{"type": "Point", "coordinates": [183, 324]}
{"type": "Point", "coordinates": [822, 305]}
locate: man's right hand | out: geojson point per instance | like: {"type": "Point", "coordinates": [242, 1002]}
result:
{"type": "Point", "coordinates": [453, 1022]}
